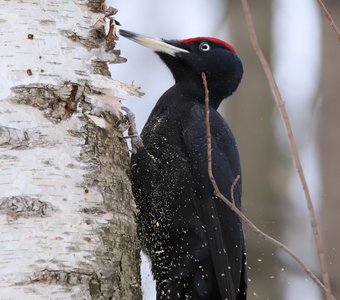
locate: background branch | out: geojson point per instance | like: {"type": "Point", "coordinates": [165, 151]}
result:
{"type": "Point", "coordinates": [329, 18]}
{"type": "Point", "coordinates": [292, 145]}
{"type": "Point", "coordinates": [231, 203]}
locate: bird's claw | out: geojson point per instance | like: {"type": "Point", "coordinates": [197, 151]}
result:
{"type": "Point", "coordinates": [136, 141]}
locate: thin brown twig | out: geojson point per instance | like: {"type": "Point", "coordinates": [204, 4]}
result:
{"type": "Point", "coordinates": [293, 148]}
{"type": "Point", "coordinates": [231, 203]}
{"type": "Point", "coordinates": [329, 18]}
{"type": "Point", "coordinates": [232, 188]}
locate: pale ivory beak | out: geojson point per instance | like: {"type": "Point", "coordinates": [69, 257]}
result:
{"type": "Point", "coordinates": [154, 44]}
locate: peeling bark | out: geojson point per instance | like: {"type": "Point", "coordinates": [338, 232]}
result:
{"type": "Point", "coordinates": [66, 208]}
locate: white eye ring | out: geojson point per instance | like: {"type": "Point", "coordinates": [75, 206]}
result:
{"type": "Point", "coordinates": [204, 46]}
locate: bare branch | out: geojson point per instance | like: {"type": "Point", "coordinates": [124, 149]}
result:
{"type": "Point", "coordinates": [293, 147]}
{"type": "Point", "coordinates": [237, 178]}
{"type": "Point", "coordinates": [329, 18]}
{"type": "Point", "coordinates": [232, 205]}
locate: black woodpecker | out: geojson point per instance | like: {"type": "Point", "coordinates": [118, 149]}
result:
{"type": "Point", "coordinates": [194, 240]}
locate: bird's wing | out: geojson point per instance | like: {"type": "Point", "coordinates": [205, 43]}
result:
{"type": "Point", "coordinates": [223, 227]}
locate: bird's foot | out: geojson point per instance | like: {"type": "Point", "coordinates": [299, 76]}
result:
{"type": "Point", "coordinates": [136, 141]}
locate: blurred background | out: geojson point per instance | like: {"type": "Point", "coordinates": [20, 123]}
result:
{"type": "Point", "coordinates": [304, 55]}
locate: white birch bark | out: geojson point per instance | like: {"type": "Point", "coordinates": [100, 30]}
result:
{"type": "Point", "coordinates": [66, 211]}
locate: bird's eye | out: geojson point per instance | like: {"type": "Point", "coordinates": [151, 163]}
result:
{"type": "Point", "coordinates": [204, 47]}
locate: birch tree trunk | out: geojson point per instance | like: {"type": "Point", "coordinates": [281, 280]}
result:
{"type": "Point", "coordinates": [67, 226]}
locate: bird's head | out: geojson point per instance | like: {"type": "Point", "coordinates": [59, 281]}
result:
{"type": "Point", "coordinates": [188, 58]}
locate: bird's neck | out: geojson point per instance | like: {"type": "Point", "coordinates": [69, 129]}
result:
{"type": "Point", "coordinates": [195, 90]}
